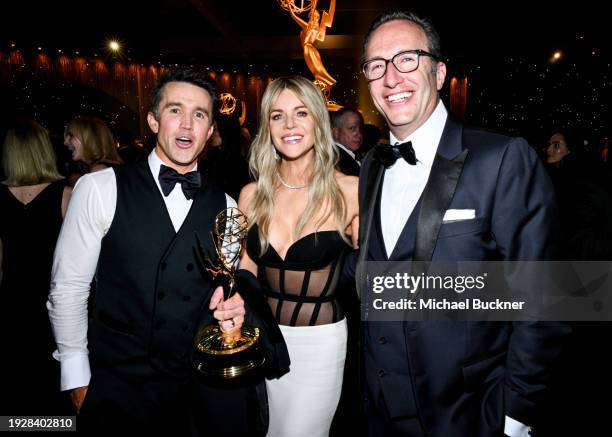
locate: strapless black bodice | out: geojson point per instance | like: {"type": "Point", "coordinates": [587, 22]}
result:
{"type": "Point", "coordinates": [301, 289]}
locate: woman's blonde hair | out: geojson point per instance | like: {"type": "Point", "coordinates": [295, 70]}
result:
{"type": "Point", "coordinates": [324, 196]}
{"type": "Point", "coordinates": [28, 157]}
{"type": "Point", "coordinates": [97, 140]}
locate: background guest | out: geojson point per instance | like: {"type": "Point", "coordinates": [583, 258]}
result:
{"type": "Point", "coordinates": [347, 130]}
{"type": "Point", "coordinates": [33, 200]}
{"type": "Point", "coordinates": [222, 162]}
{"type": "Point", "coordinates": [91, 143]}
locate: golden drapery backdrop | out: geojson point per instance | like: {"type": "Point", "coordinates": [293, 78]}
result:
{"type": "Point", "coordinates": [130, 83]}
{"type": "Point", "coordinates": [458, 97]}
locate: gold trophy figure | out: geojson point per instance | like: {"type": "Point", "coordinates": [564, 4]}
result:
{"type": "Point", "coordinates": [220, 354]}
{"type": "Point", "coordinates": [313, 30]}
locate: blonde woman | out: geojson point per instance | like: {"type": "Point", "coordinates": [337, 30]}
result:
{"type": "Point", "coordinates": [91, 143]}
{"type": "Point", "coordinates": [33, 200]}
{"type": "Point", "coordinates": [303, 220]}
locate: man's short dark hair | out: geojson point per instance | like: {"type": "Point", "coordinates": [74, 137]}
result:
{"type": "Point", "coordinates": [337, 117]}
{"type": "Point", "coordinates": [189, 75]}
{"type": "Point", "coordinates": [433, 39]}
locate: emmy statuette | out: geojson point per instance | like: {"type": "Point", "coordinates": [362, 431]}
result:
{"type": "Point", "coordinates": [218, 354]}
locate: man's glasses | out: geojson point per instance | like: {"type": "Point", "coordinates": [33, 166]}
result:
{"type": "Point", "coordinates": [404, 62]}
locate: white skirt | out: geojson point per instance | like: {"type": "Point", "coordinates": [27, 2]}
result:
{"type": "Point", "coordinates": [303, 401]}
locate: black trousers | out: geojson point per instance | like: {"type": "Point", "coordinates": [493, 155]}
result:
{"type": "Point", "coordinates": [162, 405]}
{"type": "Point", "coordinates": [380, 425]}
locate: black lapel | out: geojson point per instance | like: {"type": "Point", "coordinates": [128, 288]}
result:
{"type": "Point", "coordinates": [440, 188]}
{"type": "Point", "coordinates": [366, 216]}
{"type": "Point", "coordinates": [437, 197]}
{"type": "Point", "coordinates": [346, 163]}
{"type": "Point", "coordinates": [377, 248]}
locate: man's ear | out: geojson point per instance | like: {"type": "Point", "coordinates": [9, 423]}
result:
{"type": "Point", "coordinates": [440, 75]}
{"type": "Point", "coordinates": [153, 123]}
{"type": "Point", "coordinates": [211, 129]}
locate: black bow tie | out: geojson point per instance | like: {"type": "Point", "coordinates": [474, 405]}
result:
{"type": "Point", "coordinates": [387, 155]}
{"type": "Point", "coordinates": [190, 182]}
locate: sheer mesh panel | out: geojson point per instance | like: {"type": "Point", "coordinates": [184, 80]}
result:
{"type": "Point", "coordinates": [301, 286]}
{"type": "Point", "coordinates": [317, 283]}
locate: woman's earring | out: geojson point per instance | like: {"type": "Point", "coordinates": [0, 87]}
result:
{"type": "Point", "coordinates": [276, 155]}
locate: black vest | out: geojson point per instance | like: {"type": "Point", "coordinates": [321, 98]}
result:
{"type": "Point", "coordinates": [151, 293]}
{"type": "Point", "coordinates": [386, 353]}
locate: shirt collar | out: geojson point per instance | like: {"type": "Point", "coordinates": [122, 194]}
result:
{"type": "Point", "coordinates": [155, 163]}
{"type": "Point", "coordinates": [426, 138]}
{"type": "Point", "coordinates": [346, 149]}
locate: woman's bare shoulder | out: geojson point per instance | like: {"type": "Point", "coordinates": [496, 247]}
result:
{"type": "Point", "coordinates": [347, 183]}
{"type": "Point", "coordinates": [247, 193]}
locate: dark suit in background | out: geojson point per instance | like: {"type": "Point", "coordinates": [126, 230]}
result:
{"type": "Point", "coordinates": [347, 129]}
{"type": "Point", "coordinates": [346, 163]}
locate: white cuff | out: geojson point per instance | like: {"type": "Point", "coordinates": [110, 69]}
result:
{"type": "Point", "coordinates": [514, 428]}
{"type": "Point", "coordinates": [75, 372]}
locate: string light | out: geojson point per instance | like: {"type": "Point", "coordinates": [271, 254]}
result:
{"type": "Point", "coordinates": [521, 96]}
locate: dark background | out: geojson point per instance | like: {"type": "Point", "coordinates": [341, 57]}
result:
{"type": "Point", "coordinates": [503, 49]}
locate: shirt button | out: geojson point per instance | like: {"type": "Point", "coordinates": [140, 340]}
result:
{"type": "Point", "coordinates": [158, 325]}
{"type": "Point", "coordinates": [382, 373]}
{"type": "Point", "coordinates": [164, 265]}
{"type": "Point", "coordinates": [160, 295]}
{"type": "Point", "coordinates": [186, 298]}
{"type": "Point", "coordinates": [184, 328]}
{"type": "Point", "coordinates": [189, 267]}
{"type": "Point", "coordinates": [382, 340]}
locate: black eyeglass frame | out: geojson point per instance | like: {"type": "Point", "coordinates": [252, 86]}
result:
{"type": "Point", "coordinates": [417, 52]}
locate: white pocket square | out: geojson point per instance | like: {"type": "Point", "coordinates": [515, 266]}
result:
{"type": "Point", "coordinates": [452, 215]}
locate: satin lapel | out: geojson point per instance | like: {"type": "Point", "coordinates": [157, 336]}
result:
{"type": "Point", "coordinates": [376, 242]}
{"type": "Point", "coordinates": [366, 220]}
{"type": "Point", "coordinates": [437, 197]}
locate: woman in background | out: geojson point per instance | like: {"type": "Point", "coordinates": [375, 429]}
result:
{"type": "Point", "coordinates": [91, 143]}
{"type": "Point", "coordinates": [33, 200]}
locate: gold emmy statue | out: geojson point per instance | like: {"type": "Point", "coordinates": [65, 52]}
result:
{"type": "Point", "coordinates": [313, 30]}
{"type": "Point", "coordinates": [228, 104]}
{"type": "Point", "coordinates": [220, 354]}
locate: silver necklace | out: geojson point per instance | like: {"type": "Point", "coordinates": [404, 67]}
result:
{"type": "Point", "coordinates": [285, 184]}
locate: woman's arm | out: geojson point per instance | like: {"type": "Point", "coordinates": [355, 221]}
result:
{"type": "Point", "coordinates": [349, 186]}
{"type": "Point", "coordinates": [66, 199]}
{"type": "Point", "coordinates": [246, 194]}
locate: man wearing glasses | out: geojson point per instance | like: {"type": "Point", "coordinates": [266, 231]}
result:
{"type": "Point", "coordinates": [443, 192]}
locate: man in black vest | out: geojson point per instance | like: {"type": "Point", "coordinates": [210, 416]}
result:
{"type": "Point", "coordinates": [443, 192]}
{"type": "Point", "coordinates": [134, 227]}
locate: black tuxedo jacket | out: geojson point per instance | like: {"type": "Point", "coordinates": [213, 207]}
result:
{"type": "Point", "coordinates": [346, 163]}
{"type": "Point", "coordinates": [463, 378]}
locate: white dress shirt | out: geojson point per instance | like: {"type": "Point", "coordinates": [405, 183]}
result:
{"type": "Point", "coordinates": [403, 183]}
{"type": "Point", "coordinates": [88, 219]}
